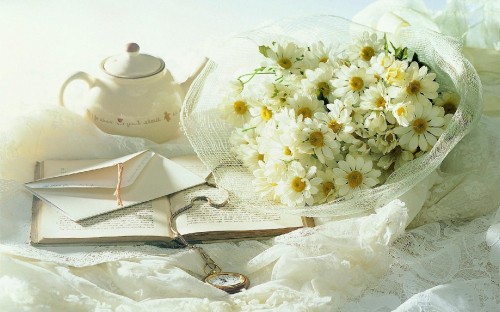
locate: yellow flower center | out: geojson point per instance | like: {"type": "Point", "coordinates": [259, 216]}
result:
{"type": "Point", "coordinates": [266, 113]}
{"type": "Point", "coordinates": [285, 63]}
{"type": "Point", "coordinates": [287, 151]}
{"type": "Point", "coordinates": [420, 125]}
{"type": "Point", "coordinates": [400, 111]}
{"type": "Point", "coordinates": [323, 59]}
{"type": "Point", "coordinates": [413, 87]}
{"type": "Point", "coordinates": [354, 178]}
{"type": "Point", "coordinates": [317, 139]}
{"type": "Point", "coordinates": [305, 112]}
{"type": "Point", "coordinates": [240, 107]}
{"type": "Point", "coordinates": [389, 138]}
{"type": "Point", "coordinates": [356, 83]}
{"type": "Point", "coordinates": [335, 126]}
{"type": "Point", "coordinates": [367, 53]}
{"type": "Point", "coordinates": [260, 157]}
{"type": "Point", "coordinates": [449, 108]}
{"type": "Point", "coordinates": [397, 151]}
{"type": "Point", "coordinates": [298, 185]}
{"type": "Point", "coordinates": [324, 88]}
{"type": "Point", "coordinates": [380, 102]}
{"type": "Point", "coordinates": [327, 187]}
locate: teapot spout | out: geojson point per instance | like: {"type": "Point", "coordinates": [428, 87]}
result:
{"type": "Point", "coordinates": [187, 83]}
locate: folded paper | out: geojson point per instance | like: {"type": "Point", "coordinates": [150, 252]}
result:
{"type": "Point", "coordinates": [97, 187]}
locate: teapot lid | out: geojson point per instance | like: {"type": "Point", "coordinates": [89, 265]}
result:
{"type": "Point", "coordinates": [131, 64]}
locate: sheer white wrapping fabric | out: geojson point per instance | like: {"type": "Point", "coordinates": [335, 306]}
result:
{"type": "Point", "coordinates": [364, 263]}
{"type": "Point", "coordinates": [209, 134]}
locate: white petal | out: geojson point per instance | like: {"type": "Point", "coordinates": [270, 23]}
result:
{"type": "Point", "coordinates": [339, 173]}
{"type": "Point", "coordinates": [436, 131]}
{"type": "Point", "coordinates": [370, 182]}
{"type": "Point", "coordinates": [436, 122]}
{"type": "Point", "coordinates": [344, 189]}
{"type": "Point", "coordinates": [344, 166]}
{"type": "Point", "coordinates": [367, 167]}
{"type": "Point", "coordinates": [328, 153]}
{"type": "Point", "coordinates": [405, 139]}
{"type": "Point", "coordinates": [401, 130]}
{"type": "Point", "coordinates": [430, 138]}
{"type": "Point", "coordinates": [422, 142]}
{"type": "Point", "coordinates": [359, 163]}
{"type": "Point", "coordinates": [412, 145]}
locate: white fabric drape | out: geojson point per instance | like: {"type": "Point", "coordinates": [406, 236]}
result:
{"type": "Point", "coordinates": [447, 259]}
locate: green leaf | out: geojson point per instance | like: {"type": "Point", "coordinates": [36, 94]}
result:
{"type": "Point", "coordinates": [248, 129]}
{"type": "Point", "coordinates": [386, 44]}
{"type": "Point", "coordinates": [263, 50]}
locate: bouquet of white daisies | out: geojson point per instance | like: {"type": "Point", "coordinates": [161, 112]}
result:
{"type": "Point", "coordinates": [316, 122]}
{"type": "Point", "coordinates": [320, 116]}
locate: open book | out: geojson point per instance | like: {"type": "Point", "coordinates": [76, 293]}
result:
{"type": "Point", "coordinates": [149, 222]}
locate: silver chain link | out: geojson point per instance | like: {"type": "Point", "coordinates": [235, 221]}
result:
{"type": "Point", "coordinates": [210, 266]}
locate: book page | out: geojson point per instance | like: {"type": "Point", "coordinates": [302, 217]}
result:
{"type": "Point", "coordinates": [204, 218]}
{"type": "Point", "coordinates": [142, 220]}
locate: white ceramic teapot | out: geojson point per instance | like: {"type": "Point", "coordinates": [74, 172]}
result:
{"type": "Point", "coordinates": [134, 95]}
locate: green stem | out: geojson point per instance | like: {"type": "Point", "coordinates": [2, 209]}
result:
{"type": "Point", "coordinates": [258, 71]}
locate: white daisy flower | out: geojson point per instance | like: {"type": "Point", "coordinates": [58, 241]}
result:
{"type": "Point", "coordinates": [298, 186]}
{"type": "Point", "coordinates": [404, 112]}
{"type": "Point", "coordinates": [384, 143]}
{"type": "Point", "coordinates": [327, 190]}
{"type": "Point", "coordinates": [287, 121]}
{"type": "Point", "coordinates": [261, 113]}
{"type": "Point", "coordinates": [267, 176]}
{"type": "Point", "coordinates": [279, 92]}
{"type": "Point", "coordinates": [424, 130]}
{"type": "Point", "coordinates": [374, 98]}
{"type": "Point", "coordinates": [448, 101]}
{"type": "Point", "coordinates": [359, 147]}
{"type": "Point", "coordinates": [305, 105]}
{"type": "Point", "coordinates": [317, 81]}
{"type": "Point", "coordinates": [318, 54]}
{"type": "Point", "coordinates": [395, 74]}
{"type": "Point", "coordinates": [351, 81]}
{"type": "Point", "coordinates": [381, 63]}
{"type": "Point", "coordinates": [365, 48]}
{"type": "Point", "coordinates": [320, 140]}
{"type": "Point", "coordinates": [287, 57]}
{"type": "Point", "coordinates": [239, 137]}
{"type": "Point", "coordinates": [278, 145]}
{"type": "Point", "coordinates": [418, 86]}
{"type": "Point", "coordinates": [235, 110]}
{"type": "Point", "coordinates": [246, 148]}
{"type": "Point", "coordinates": [355, 173]}
{"type": "Point", "coordinates": [251, 154]}
{"type": "Point", "coordinates": [338, 119]}
{"type": "Point", "coordinates": [375, 123]}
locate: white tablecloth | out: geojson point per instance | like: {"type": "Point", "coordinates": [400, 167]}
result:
{"type": "Point", "coordinates": [363, 264]}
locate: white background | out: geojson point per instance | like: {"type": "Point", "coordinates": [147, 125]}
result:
{"type": "Point", "coordinates": [43, 42]}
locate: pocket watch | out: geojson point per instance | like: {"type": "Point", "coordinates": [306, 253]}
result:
{"type": "Point", "coordinates": [228, 281]}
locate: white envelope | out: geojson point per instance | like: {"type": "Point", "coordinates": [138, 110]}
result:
{"type": "Point", "coordinates": [90, 190]}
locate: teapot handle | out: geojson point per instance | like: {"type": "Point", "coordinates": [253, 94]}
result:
{"type": "Point", "coordinates": [76, 76]}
